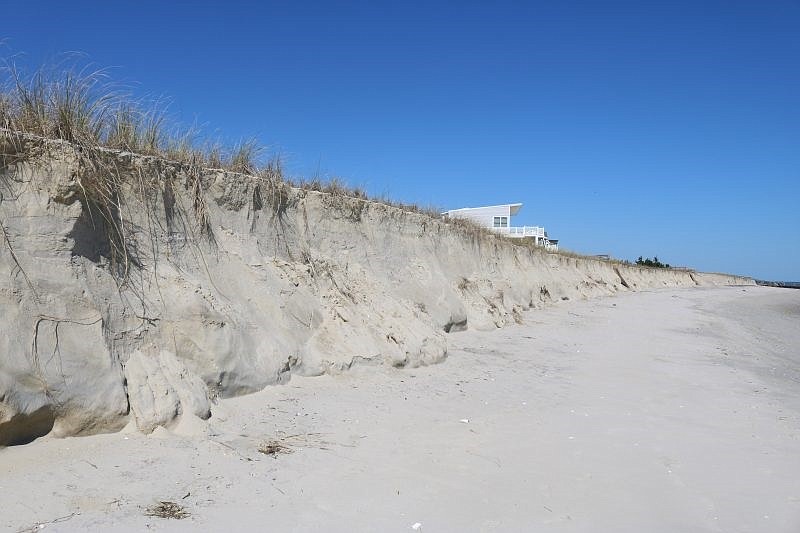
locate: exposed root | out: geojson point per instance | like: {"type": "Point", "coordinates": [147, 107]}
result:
{"type": "Point", "coordinates": [36, 365]}
{"type": "Point", "coordinates": [14, 258]}
{"type": "Point", "coordinates": [38, 526]}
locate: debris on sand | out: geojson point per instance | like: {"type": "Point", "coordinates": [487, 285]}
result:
{"type": "Point", "coordinates": [273, 447]}
{"type": "Point", "coordinates": [284, 444]}
{"type": "Point", "coordinates": [167, 510]}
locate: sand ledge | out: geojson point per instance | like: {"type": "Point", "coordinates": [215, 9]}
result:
{"type": "Point", "coordinates": [283, 283]}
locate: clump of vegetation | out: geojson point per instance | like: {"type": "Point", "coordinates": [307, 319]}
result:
{"type": "Point", "coordinates": [654, 262]}
{"type": "Point", "coordinates": [77, 103]}
{"type": "Point", "coordinates": [167, 509]}
{"type": "Point", "coordinates": [99, 121]}
{"type": "Point", "coordinates": [286, 444]}
{"type": "Point", "coordinates": [274, 447]}
{"type": "Point", "coordinates": [74, 102]}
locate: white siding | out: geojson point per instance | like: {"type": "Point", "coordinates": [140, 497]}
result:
{"type": "Point", "coordinates": [486, 217]}
{"type": "Point", "coordinates": [483, 215]}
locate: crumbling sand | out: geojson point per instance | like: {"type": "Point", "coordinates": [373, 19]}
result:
{"type": "Point", "coordinates": [235, 283]}
{"type": "Point", "coordinates": [676, 410]}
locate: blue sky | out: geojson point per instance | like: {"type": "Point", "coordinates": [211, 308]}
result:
{"type": "Point", "coordinates": [629, 128]}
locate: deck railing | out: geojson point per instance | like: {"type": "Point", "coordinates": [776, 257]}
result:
{"type": "Point", "coordinates": [522, 231]}
{"type": "Point", "coordinates": [529, 231]}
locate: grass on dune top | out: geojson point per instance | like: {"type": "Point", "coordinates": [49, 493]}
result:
{"type": "Point", "coordinates": [75, 102]}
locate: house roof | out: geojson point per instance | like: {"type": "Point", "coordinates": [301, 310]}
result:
{"type": "Point", "coordinates": [514, 208]}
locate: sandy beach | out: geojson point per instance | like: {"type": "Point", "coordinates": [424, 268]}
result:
{"type": "Point", "coordinates": [674, 410]}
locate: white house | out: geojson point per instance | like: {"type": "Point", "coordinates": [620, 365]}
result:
{"type": "Point", "coordinates": [498, 218]}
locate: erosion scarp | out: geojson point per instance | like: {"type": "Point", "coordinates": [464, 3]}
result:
{"type": "Point", "coordinates": [137, 289]}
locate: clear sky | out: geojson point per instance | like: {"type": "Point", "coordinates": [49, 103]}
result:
{"type": "Point", "coordinates": [630, 128]}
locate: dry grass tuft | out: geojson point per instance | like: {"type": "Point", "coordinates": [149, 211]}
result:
{"type": "Point", "coordinates": [167, 509]}
{"type": "Point", "coordinates": [244, 157]}
{"type": "Point", "coordinates": [286, 444]}
{"type": "Point", "coordinates": [72, 101]}
{"type": "Point", "coordinates": [273, 448]}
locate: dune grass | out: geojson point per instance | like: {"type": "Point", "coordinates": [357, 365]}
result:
{"type": "Point", "coordinates": [73, 102]}
{"type": "Point", "coordinates": [79, 104]}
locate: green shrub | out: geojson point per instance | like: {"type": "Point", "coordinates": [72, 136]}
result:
{"type": "Point", "coordinates": [654, 262]}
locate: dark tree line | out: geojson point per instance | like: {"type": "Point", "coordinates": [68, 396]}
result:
{"type": "Point", "coordinates": [654, 262]}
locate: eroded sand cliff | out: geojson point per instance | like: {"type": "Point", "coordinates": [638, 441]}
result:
{"type": "Point", "coordinates": [212, 284]}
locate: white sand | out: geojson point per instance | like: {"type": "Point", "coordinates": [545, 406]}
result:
{"type": "Point", "coordinates": [659, 411]}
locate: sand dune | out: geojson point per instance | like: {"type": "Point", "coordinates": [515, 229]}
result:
{"type": "Point", "coordinates": [674, 410]}
{"type": "Point", "coordinates": [207, 283]}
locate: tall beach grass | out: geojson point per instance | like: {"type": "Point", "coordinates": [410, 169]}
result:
{"type": "Point", "coordinates": [74, 102]}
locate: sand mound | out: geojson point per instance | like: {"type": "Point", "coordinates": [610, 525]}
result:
{"type": "Point", "coordinates": [176, 286]}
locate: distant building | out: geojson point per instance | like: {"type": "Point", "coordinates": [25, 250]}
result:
{"type": "Point", "coordinates": [498, 218]}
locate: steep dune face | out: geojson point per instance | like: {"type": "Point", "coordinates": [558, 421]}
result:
{"type": "Point", "coordinates": [230, 283]}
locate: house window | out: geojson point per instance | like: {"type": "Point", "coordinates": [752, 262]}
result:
{"type": "Point", "coordinates": [500, 222]}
